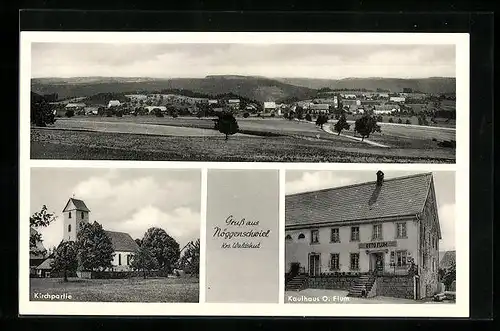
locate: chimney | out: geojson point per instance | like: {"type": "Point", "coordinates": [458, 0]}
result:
{"type": "Point", "coordinates": [380, 178]}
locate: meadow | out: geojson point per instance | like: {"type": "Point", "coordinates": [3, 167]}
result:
{"type": "Point", "coordinates": [266, 140]}
{"type": "Point", "coordinates": [119, 290]}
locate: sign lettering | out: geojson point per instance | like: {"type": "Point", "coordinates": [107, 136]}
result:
{"type": "Point", "coordinates": [379, 244]}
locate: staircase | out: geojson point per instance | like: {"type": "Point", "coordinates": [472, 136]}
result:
{"type": "Point", "coordinates": [297, 283]}
{"type": "Point", "coordinates": [363, 282]}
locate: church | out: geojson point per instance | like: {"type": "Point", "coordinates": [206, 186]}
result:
{"type": "Point", "coordinates": [76, 212]}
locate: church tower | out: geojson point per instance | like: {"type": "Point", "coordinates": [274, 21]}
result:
{"type": "Point", "coordinates": [75, 212]}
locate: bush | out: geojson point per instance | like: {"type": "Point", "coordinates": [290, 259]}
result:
{"type": "Point", "coordinates": [308, 118]}
{"type": "Point", "coordinates": [273, 115]}
{"type": "Point", "coordinates": [400, 121]}
{"type": "Point", "coordinates": [118, 113]}
{"type": "Point", "coordinates": [407, 122]}
{"type": "Point", "coordinates": [70, 113]}
{"type": "Point", "coordinates": [174, 115]}
{"type": "Point", "coordinates": [246, 115]}
{"type": "Point", "coordinates": [391, 120]}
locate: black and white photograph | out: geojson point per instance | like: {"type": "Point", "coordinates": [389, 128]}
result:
{"type": "Point", "coordinates": [242, 102]}
{"type": "Point", "coordinates": [384, 237]}
{"type": "Point", "coordinates": [114, 235]}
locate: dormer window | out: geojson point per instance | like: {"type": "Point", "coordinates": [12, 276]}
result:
{"type": "Point", "coordinates": [288, 237]}
{"type": "Point", "coordinates": [301, 236]}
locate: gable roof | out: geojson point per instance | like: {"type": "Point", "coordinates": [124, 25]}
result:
{"type": "Point", "coordinates": [122, 241]}
{"type": "Point", "coordinates": [78, 204]}
{"type": "Point", "coordinates": [447, 259]}
{"type": "Point", "coordinates": [402, 196]}
{"type": "Point", "coordinates": [46, 264]}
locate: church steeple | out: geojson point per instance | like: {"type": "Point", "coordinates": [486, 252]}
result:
{"type": "Point", "coordinates": [75, 212]}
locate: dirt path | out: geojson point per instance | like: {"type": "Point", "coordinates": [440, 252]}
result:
{"type": "Point", "coordinates": [328, 129]}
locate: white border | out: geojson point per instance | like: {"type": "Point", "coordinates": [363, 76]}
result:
{"type": "Point", "coordinates": [460, 309]}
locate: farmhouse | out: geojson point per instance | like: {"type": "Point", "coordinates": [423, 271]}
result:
{"type": "Point", "coordinates": [75, 106]}
{"type": "Point", "coordinates": [386, 109]}
{"type": "Point", "coordinates": [320, 108]}
{"type": "Point", "coordinates": [397, 99]}
{"type": "Point", "coordinates": [269, 107]}
{"type": "Point", "coordinates": [113, 103]}
{"type": "Point", "coordinates": [76, 212]}
{"type": "Point", "coordinates": [150, 109]}
{"type": "Point", "coordinates": [382, 236]}
{"type": "Point", "coordinates": [234, 104]}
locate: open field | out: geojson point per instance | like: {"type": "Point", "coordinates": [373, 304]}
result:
{"type": "Point", "coordinates": [267, 140]}
{"type": "Point", "coordinates": [119, 290]}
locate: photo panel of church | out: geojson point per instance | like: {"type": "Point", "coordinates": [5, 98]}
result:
{"type": "Point", "coordinates": [114, 235]}
{"type": "Point", "coordinates": [370, 237]}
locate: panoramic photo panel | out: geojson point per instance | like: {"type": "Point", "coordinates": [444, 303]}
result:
{"type": "Point", "coordinates": [239, 102]}
{"type": "Point", "coordinates": [370, 237]}
{"type": "Point", "coordinates": [114, 235]}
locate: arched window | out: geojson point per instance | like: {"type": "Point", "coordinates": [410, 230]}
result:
{"type": "Point", "coordinates": [288, 237]}
{"type": "Point", "coordinates": [69, 215]}
{"type": "Point", "coordinates": [69, 227]}
{"type": "Point", "coordinates": [302, 236]}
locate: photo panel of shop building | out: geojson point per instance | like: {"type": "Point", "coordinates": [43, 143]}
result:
{"type": "Point", "coordinates": [368, 235]}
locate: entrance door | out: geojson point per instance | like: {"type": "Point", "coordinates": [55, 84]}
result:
{"type": "Point", "coordinates": [294, 268]}
{"type": "Point", "coordinates": [314, 266]}
{"type": "Point", "coordinates": [377, 262]}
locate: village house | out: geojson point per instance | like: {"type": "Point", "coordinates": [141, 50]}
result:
{"type": "Point", "coordinates": [75, 106]}
{"type": "Point", "coordinates": [114, 103]}
{"type": "Point", "coordinates": [76, 212]}
{"type": "Point", "coordinates": [271, 108]}
{"type": "Point", "coordinates": [381, 236]}
{"type": "Point", "coordinates": [386, 109]}
{"type": "Point", "coordinates": [150, 109]}
{"type": "Point", "coordinates": [38, 253]}
{"type": "Point", "coordinates": [397, 99]}
{"type": "Point", "coordinates": [319, 108]}
{"type": "Point", "coordinates": [233, 104]}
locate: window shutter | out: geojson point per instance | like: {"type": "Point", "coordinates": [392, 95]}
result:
{"type": "Point", "coordinates": [330, 262]}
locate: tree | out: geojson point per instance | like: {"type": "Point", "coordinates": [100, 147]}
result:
{"type": "Point", "coordinates": [321, 120]}
{"type": "Point", "coordinates": [94, 247]}
{"type": "Point", "coordinates": [400, 121]}
{"type": "Point", "coordinates": [190, 260]}
{"type": "Point", "coordinates": [246, 115]}
{"type": "Point", "coordinates": [157, 112]}
{"type": "Point", "coordinates": [308, 118]}
{"type": "Point", "coordinates": [365, 126]}
{"type": "Point", "coordinates": [39, 219]}
{"type": "Point", "coordinates": [391, 120]}
{"type": "Point", "coordinates": [450, 275]}
{"type": "Point", "coordinates": [65, 259]}
{"type": "Point", "coordinates": [144, 260]}
{"type": "Point", "coordinates": [118, 113]}
{"type": "Point", "coordinates": [41, 111]}
{"type": "Point", "coordinates": [138, 242]}
{"type": "Point", "coordinates": [341, 124]}
{"type": "Point", "coordinates": [163, 247]}
{"type": "Point", "coordinates": [300, 112]}
{"type": "Point", "coordinates": [70, 113]}
{"type": "Point", "coordinates": [227, 124]}
{"type": "Point", "coordinates": [407, 121]}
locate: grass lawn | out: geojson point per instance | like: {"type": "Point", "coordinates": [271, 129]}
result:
{"type": "Point", "coordinates": [120, 290]}
{"type": "Point", "coordinates": [84, 145]}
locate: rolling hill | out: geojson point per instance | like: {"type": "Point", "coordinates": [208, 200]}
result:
{"type": "Point", "coordinates": [433, 85]}
{"type": "Point", "coordinates": [255, 88]}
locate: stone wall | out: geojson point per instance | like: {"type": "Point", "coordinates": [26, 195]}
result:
{"type": "Point", "coordinates": [332, 282]}
{"type": "Point", "coordinates": [395, 286]}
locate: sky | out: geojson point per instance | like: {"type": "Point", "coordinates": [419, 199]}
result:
{"type": "Point", "coordinates": [124, 200]}
{"type": "Point", "coordinates": [444, 184]}
{"type": "Point", "coordinates": [329, 61]}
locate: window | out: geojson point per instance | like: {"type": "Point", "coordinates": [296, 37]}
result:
{"type": "Point", "coordinates": [314, 236]}
{"type": "Point", "coordinates": [69, 227]}
{"type": "Point", "coordinates": [69, 215]}
{"type": "Point", "coordinates": [401, 230]}
{"type": "Point", "coordinates": [335, 237]}
{"type": "Point", "coordinates": [288, 237]}
{"type": "Point", "coordinates": [128, 259]}
{"type": "Point", "coordinates": [377, 232]}
{"type": "Point", "coordinates": [119, 259]}
{"type": "Point", "coordinates": [354, 261]}
{"type": "Point", "coordinates": [301, 236]}
{"type": "Point", "coordinates": [355, 233]}
{"type": "Point", "coordinates": [401, 258]}
{"type": "Point", "coordinates": [433, 264]}
{"type": "Point", "coordinates": [334, 261]}
{"type": "Point", "coordinates": [83, 215]}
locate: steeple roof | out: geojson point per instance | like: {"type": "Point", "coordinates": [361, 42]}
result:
{"type": "Point", "coordinates": [75, 204]}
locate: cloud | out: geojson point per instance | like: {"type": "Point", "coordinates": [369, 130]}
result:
{"type": "Point", "coordinates": [447, 222]}
{"type": "Point", "coordinates": [272, 60]}
{"type": "Point", "coordinates": [310, 181]}
{"type": "Point", "coordinates": [182, 223]}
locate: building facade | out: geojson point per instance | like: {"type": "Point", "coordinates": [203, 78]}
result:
{"type": "Point", "coordinates": [384, 228]}
{"type": "Point", "coordinates": [76, 212]}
